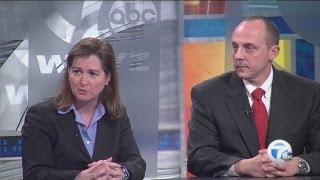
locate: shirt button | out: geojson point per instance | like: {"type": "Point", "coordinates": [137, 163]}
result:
{"type": "Point", "coordinates": [88, 142]}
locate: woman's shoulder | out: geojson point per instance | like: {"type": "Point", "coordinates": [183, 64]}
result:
{"type": "Point", "coordinates": [40, 118]}
{"type": "Point", "coordinates": [44, 106]}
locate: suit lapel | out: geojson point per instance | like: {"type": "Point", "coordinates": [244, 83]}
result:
{"type": "Point", "coordinates": [104, 139]}
{"type": "Point", "coordinates": [280, 107]}
{"type": "Point", "coordinates": [238, 104]}
{"type": "Point", "coordinates": [72, 130]}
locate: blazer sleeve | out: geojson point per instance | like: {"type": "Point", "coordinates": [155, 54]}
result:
{"type": "Point", "coordinates": [129, 154]}
{"type": "Point", "coordinates": [312, 143]}
{"type": "Point", "coordinates": [204, 157]}
{"type": "Point", "coordinates": [38, 139]}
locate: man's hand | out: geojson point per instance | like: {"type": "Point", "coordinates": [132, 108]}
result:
{"type": "Point", "coordinates": [273, 169]}
{"type": "Point", "coordinates": [250, 167]}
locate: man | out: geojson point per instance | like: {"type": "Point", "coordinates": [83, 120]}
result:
{"type": "Point", "coordinates": [228, 138]}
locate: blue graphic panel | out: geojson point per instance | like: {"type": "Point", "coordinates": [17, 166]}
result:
{"type": "Point", "coordinates": [304, 59]}
{"type": "Point", "coordinates": [10, 146]}
{"type": "Point", "coordinates": [169, 140]}
{"type": "Point", "coordinates": [204, 28]}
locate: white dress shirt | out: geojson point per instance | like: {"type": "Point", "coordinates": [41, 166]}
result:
{"type": "Point", "coordinates": [266, 86]}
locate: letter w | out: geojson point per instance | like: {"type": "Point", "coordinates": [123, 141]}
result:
{"type": "Point", "coordinates": [47, 68]}
{"type": "Point", "coordinates": [14, 97]}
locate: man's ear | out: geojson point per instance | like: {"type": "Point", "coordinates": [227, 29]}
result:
{"type": "Point", "coordinates": [273, 52]}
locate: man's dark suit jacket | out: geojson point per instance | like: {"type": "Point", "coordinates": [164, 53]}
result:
{"type": "Point", "coordinates": [222, 131]}
{"type": "Point", "coordinates": [53, 148]}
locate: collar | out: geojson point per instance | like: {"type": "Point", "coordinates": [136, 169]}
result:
{"type": "Point", "coordinates": [100, 108]}
{"type": "Point", "coordinates": [266, 86]}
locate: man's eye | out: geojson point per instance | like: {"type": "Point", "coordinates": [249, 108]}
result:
{"type": "Point", "coordinates": [234, 47]}
{"type": "Point", "coordinates": [250, 48]}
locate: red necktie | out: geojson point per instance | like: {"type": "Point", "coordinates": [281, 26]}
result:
{"type": "Point", "coordinates": [260, 116]}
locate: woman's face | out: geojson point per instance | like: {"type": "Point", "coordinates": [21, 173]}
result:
{"type": "Point", "coordinates": [87, 79]}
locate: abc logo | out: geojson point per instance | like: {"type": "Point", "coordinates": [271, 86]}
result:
{"type": "Point", "coordinates": [132, 12]}
{"type": "Point", "coordinates": [279, 151]}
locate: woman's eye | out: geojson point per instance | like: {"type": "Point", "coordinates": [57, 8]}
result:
{"type": "Point", "coordinates": [92, 74]}
{"type": "Point", "coordinates": [76, 72]}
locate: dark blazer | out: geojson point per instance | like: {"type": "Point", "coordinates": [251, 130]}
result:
{"type": "Point", "coordinates": [53, 148]}
{"type": "Point", "coordinates": [222, 131]}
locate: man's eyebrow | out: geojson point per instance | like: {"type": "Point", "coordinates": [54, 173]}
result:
{"type": "Point", "coordinates": [249, 44]}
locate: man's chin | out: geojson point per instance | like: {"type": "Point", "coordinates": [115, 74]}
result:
{"type": "Point", "coordinates": [242, 74]}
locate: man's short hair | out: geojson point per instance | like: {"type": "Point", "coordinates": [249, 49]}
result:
{"type": "Point", "coordinates": [272, 30]}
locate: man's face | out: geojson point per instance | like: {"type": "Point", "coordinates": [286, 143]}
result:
{"type": "Point", "coordinates": [251, 54]}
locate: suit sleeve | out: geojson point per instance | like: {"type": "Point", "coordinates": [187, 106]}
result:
{"type": "Point", "coordinates": [204, 157]}
{"type": "Point", "coordinates": [312, 146]}
{"type": "Point", "coordinates": [129, 155]}
{"type": "Point", "coordinates": [38, 137]}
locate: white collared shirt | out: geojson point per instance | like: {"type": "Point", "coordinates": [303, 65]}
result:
{"type": "Point", "coordinates": [266, 86]}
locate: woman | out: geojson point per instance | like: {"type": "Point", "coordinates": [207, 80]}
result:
{"type": "Point", "coordinates": [84, 131]}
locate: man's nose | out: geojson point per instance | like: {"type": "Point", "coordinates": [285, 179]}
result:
{"type": "Point", "coordinates": [239, 53]}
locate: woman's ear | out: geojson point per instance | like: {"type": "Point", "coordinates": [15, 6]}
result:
{"type": "Point", "coordinates": [108, 79]}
